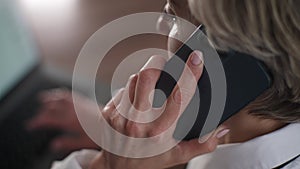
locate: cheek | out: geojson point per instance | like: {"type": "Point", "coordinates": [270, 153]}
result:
{"type": "Point", "coordinates": [173, 44]}
{"type": "Point", "coordinates": [180, 33]}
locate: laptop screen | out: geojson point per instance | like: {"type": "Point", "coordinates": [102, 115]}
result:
{"type": "Point", "coordinates": [17, 50]}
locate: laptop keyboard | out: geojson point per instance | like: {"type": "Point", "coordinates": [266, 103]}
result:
{"type": "Point", "coordinates": [19, 148]}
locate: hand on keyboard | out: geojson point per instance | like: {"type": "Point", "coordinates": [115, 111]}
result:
{"type": "Point", "coordinates": [57, 112]}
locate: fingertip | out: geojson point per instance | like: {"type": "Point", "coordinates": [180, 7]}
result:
{"type": "Point", "coordinates": [196, 58]}
{"type": "Point", "coordinates": [222, 133]}
{"type": "Point", "coordinates": [196, 63]}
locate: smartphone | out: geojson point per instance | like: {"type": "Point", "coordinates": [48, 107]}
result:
{"type": "Point", "coordinates": [245, 79]}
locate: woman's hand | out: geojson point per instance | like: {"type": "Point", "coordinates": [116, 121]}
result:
{"type": "Point", "coordinates": [135, 101]}
{"type": "Point", "coordinates": [57, 112]}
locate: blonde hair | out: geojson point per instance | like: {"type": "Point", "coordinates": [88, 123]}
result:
{"type": "Point", "coordinates": [268, 30]}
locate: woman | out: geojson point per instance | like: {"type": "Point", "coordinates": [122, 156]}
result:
{"type": "Point", "coordinates": [265, 133]}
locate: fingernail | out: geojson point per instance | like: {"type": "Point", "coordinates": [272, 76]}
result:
{"type": "Point", "coordinates": [222, 133]}
{"type": "Point", "coordinates": [197, 58]}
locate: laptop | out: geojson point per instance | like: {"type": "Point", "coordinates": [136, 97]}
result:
{"type": "Point", "coordinates": [22, 78]}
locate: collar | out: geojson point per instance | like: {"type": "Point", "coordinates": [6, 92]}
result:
{"type": "Point", "coordinates": [264, 152]}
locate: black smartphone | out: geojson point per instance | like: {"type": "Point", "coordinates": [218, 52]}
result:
{"type": "Point", "coordinates": [245, 78]}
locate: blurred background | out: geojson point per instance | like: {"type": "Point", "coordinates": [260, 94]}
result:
{"type": "Point", "coordinates": [39, 43]}
{"type": "Point", "coordinates": [63, 26]}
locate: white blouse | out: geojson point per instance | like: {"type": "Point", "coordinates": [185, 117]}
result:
{"type": "Point", "coordinates": [265, 152]}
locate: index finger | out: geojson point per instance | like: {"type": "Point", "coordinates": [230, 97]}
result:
{"type": "Point", "coordinates": [185, 88]}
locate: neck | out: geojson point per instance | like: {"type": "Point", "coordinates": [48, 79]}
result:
{"type": "Point", "coordinates": [244, 127]}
